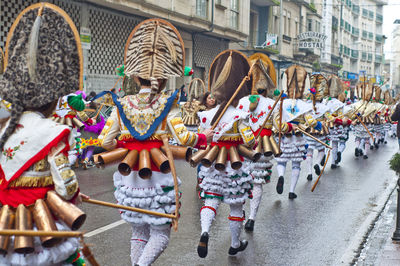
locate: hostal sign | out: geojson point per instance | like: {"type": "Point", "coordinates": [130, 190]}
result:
{"type": "Point", "coordinates": [311, 39]}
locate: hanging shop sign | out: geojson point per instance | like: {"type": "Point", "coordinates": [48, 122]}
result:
{"type": "Point", "coordinates": [311, 39]}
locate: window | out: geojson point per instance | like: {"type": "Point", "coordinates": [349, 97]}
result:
{"type": "Point", "coordinates": [317, 26]}
{"type": "Point", "coordinates": [202, 8]}
{"type": "Point", "coordinates": [234, 14]}
{"type": "Point", "coordinates": [309, 24]}
{"type": "Point", "coordinates": [288, 23]}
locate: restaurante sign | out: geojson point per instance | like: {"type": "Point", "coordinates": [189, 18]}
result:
{"type": "Point", "coordinates": [311, 39]}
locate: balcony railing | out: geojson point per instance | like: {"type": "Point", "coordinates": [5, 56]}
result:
{"type": "Point", "coordinates": [364, 34]}
{"type": "Point", "coordinates": [355, 32]}
{"type": "Point", "coordinates": [379, 18]}
{"type": "Point", "coordinates": [356, 9]}
{"type": "Point", "coordinates": [336, 60]}
{"type": "Point", "coordinates": [365, 13]}
{"type": "Point", "coordinates": [354, 54]}
{"type": "Point", "coordinates": [370, 36]}
{"type": "Point", "coordinates": [364, 56]}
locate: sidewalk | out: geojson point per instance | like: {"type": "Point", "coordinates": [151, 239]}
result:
{"type": "Point", "coordinates": [379, 248]}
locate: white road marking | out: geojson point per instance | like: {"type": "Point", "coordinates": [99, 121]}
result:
{"type": "Point", "coordinates": [104, 228]}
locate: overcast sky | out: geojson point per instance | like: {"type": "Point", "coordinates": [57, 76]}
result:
{"type": "Point", "coordinates": [391, 12]}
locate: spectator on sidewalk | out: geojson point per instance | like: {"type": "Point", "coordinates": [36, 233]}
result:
{"type": "Point", "coordinates": [396, 117]}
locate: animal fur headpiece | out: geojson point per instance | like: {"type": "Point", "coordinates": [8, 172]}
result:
{"type": "Point", "coordinates": [264, 75]}
{"type": "Point", "coordinates": [377, 93]}
{"type": "Point", "coordinates": [334, 86]}
{"type": "Point", "coordinates": [1, 61]}
{"type": "Point", "coordinates": [368, 92]}
{"type": "Point", "coordinates": [196, 89]}
{"type": "Point", "coordinates": [387, 98]}
{"type": "Point", "coordinates": [154, 50]}
{"type": "Point", "coordinates": [43, 60]}
{"type": "Point", "coordinates": [226, 73]}
{"type": "Point", "coordinates": [295, 81]}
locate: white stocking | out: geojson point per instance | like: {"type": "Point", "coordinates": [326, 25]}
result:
{"type": "Point", "coordinates": [367, 145]}
{"type": "Point", "coordinates": [342, 146]}
{"type": "Point", "coordinates": [281, 167]}
{"type": "Point", "coordinates": [295, 175]}
{"type": "Point", "coordinates": [140, 236]}
{"type": "Point", "coordinates": [207, 214]}
{"type": "Point", "coordinates": [334, 151]}
{"type": "Point", "coordinates": [255, 201]}
{"type": "Point", "coordinates": [158, 242]}
{"type": "Point", "coordinates": [358, 143]}
{"type": "Point", "coordinates": [309, 160]}
{"type": "Point", "coordinates": [236, 226]}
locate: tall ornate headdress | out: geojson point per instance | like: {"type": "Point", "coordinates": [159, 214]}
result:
{"type": "Point", "coordinates": [319, 83]}
{"type": "Point", "coordinates": [154, 50]}
{"type": "Point", "coordinates": [43, 60]}
{"type": "Point", "coordinates": [196, 89]}
{"type": "Point", "coordinates": [226, 73]}
{"type": "Point", "coordinates": [334, 86]}
{"type": "Point", "coordinates": [295, 81]}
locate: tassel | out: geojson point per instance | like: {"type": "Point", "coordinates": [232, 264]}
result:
{"type": "Point", "coordinates": [223, 76]}
{"type": "Point", "coordinates": [33, 45]}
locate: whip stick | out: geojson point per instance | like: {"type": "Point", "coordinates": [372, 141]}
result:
{"type": "Point", "coordinates": [98, 112]}
{"type": "Point", "coordinates": [11, 232]}
{"type": "Point", "coordinates": [173, 172]}
{"type": "Point", "coordinates": [269, 114]}
{"type": "Point", "coordinates": [246, 78]}
{"type": "Point", "coordinates": [322, 171]}
{"type": "Point", "coordinates": [280, 123]}
{"type": "Point", "coordinates": [133, 209]}
{"type": "Point", "coordinates": [314, 138]}
{"type": "Point", "coordinates": [362, 123]}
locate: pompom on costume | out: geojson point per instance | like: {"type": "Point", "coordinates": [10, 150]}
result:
{"type": "Point", "coordinates": [44, 63]}
{"type": "Point", "coordinates": [154, 51]}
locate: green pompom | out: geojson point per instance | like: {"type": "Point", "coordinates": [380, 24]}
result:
{"type": "Point", "coordinates": [276, 92]}
{"type": "Point", "coordinates": [254, 98]}
{"type": "Point", "coordinates": [330, 98]}
{"type": "Point", "coordinates": [76, 102]}
{"type": "Point", "coordinates": [188, 71]}
{"type": "Point", "coordinates": [120, 70]}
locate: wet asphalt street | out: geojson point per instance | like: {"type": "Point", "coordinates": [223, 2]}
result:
{"type": "Point", "coordinates": [314, 229]}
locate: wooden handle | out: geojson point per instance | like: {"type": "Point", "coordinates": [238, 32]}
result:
{"type": "Point", "coordinates": [269, 114]}
{"type": "Point", "coordinates": [314, 138]}
{"type": "Point", "coordinates": [133, 209]}
{"type": "Point", "coordinates": [246, 78]}
{"type": "Point", "coordinates": [41, 233]}
{"type": "Point", "coordinates": [280, 123]}
{"type": "Point", "coordinates": [322, 171]}
{"type": "Point", "coordinates": [174, 176]}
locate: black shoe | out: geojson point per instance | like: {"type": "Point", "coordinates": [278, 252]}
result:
{"type": "Point", "coordinates": [334, 166]}
{"type": "Point", "coordinates": [309, 177]}
{"type": "Point", "coordinates": [385, 142]}
{"type": "Point", "coordinates": [365, 157]}
{"type": "Point", "coordinates": [243, 245]}
{"type": "Point", "coordinates": [356, 152]}
{"type": "Point", "coordinates": [361, 152]}
{"type": "Point", "coordinates": [372, 147]}
{"type": "Point", "coordinates": [339, 157]}
{"type": "Point", "coordinates": [202, 248]}
{"type": "Point", "coordinates": [249, 226]}
{"type": "Point", "coordinates": [279, 185]}
{"type": "Point", "coordinates": [292, 195]}
{"type": "Point", "coordinates": [317, 170]}
{"type": "Point", "coordinates": [322, 161]}
{"type": "Point", "coordinates": [376, 146]}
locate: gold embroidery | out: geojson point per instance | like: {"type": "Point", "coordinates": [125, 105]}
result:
{"type": "Point", "coordinates": [61, 159]}
{"type": "Point", "coordinates": [72, 188]}
{"type": "Point", "coordinates": [41, 166]}
{"type": "Point", "coordinates": [67, 174]}
{"type": "Point", "coordinates": [32, 181]}
{"type": "Point", "coordinates": [105, 131]}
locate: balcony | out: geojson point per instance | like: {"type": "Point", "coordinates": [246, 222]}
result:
{"type": "Point", "coordinates": [365, 13]}
{"type": "Point", "coordinates": [379, 38]}
{"type": "Point", "coordinates": [356, 10]}
{"type": "Point", "coordinates": [354, 54]}
{"type": "Point", "coordinates": [364, 34]}
{"type": "Point", "coordinates": [261, 2]}
{"type": "Point", "coordinates": [369, 59]}
{"type": "Point", "coordinates": [371, 15]}
{"type": "Point", "coordinates": [364, 56]}
{"type": "Point", "coordinates": [370, 36]}
{"type": "Point", "coordinates": [379, 18]}
{"type": "Point", "coordinates": [378, 58]}
{"type": "Point", "coordinates": [355, 32]}
{"type": "Point", "coordinates": [336, 60]}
